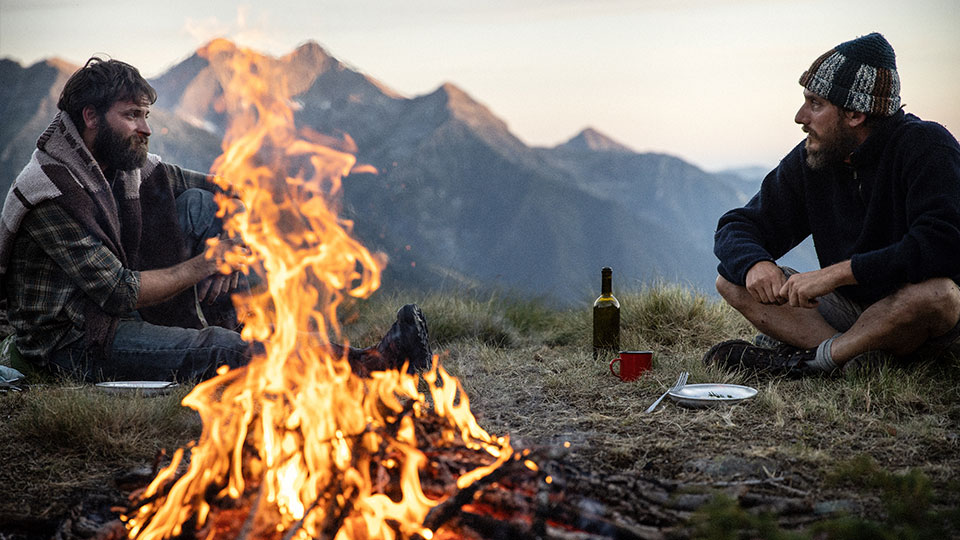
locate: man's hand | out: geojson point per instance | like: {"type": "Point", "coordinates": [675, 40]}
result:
{"type": "Point", "coordinates": [765, 280]}
{"type": "Point", "coordinates": [802, 290]}
{"type": "Point", "coordinates": [216, 254]}
{"type": "Point", "coordinates": [217, 285]}
{"type": "Point", "coordinates": [214, 266]}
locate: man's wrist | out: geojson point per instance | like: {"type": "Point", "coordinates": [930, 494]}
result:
{"type": "Point", "coordinates": [841, 273]}
{"type": "Point", "coordinates": [759, 266]}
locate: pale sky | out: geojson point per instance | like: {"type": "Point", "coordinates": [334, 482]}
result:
{"type": "Point", "coordinates": [711, 81]}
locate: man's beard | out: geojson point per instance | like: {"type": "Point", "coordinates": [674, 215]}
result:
{"type": "Point", "coordinates": [835, 146]}
{"type": "Point", "coordinates": [116, 153]}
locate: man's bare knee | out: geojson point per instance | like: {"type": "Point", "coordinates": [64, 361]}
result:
{"type": "Point", "coordinates": [936, 301]}
{"type": "Point", "coordinates": [731, 292]}
{"type": "Point", "coordinates": [736, 295]}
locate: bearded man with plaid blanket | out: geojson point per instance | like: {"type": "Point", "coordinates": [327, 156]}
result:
{"type": "Point", "coordinates": [103, 251]}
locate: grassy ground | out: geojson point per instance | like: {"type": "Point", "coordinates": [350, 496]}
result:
{"type": "Point", "coordinates": [871, 454]}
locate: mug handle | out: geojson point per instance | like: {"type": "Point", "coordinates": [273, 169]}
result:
{"type": "Point", "coordinates": [615, 374]}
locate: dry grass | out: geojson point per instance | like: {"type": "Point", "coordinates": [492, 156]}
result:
{"type": "Point", "coordinates": [544, 388]}
{"type": "Point", "coordinates": [528, 371]}
{"type": "Point", "coordinates": [60, 442]}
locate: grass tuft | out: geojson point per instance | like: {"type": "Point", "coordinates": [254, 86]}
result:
{"type": "Point", "coordinates": [723, 519]}
{"type": "Point", "coordinates": [93, 423]}
{"type": "Point", "coordinates": [674, 318]}
{"type": "Point", "coordinates": [908, 501]}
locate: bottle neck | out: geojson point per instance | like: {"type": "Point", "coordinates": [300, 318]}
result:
{"type": "Point", "coordinates": [606, 288]}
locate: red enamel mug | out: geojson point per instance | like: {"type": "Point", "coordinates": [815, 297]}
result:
{"type": "Point", "coordinates": [632, 364]}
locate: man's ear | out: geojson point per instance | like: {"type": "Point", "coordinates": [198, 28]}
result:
{"type": "Point", "coordinates": [91, 119]}
{"type": "Point", "coordinates": [854, 118]}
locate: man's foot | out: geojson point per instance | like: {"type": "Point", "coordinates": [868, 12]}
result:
{"type": "Point", "coordinates": [783, 360]}
{"type": "Point", "coordinates": [407, 341]}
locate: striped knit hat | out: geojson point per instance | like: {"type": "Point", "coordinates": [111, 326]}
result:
{"type": "Point", "coordinates": [859, 75]}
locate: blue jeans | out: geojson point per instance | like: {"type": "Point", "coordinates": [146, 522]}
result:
{"type": "Point", "coordinates": [144, 351]}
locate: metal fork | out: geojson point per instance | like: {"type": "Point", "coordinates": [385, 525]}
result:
{"type": "Point", "coordinates": [681, 381]}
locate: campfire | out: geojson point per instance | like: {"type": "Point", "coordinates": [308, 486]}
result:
{"type": "Point", "coordinates": [295, 445]}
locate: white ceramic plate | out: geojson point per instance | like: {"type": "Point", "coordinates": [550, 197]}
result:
{"type": "Point", "coordinates": [9, 375]}
{"type": "Point", "coordinates": [144, 388]}
{"type": "Point", "coordinates": [709, 394]}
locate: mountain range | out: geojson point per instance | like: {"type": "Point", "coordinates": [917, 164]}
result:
{"type": "Point", "coordinates": [458, 200]}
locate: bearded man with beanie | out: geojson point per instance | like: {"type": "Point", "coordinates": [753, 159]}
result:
{"type": "Point", "coordinates": [879, 191]}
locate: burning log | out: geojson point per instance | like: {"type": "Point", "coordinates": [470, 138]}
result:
{"type": "Point", "coordinates": [552, 500]}
{"type": "Point", "coordinates": [516, 500]}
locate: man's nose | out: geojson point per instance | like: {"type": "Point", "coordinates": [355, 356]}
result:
{"type": "Point", "coordinates": [801, 116]}
{"type": "Point", "coordinates": [144, 128]}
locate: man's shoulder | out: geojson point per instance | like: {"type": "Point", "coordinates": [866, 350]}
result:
{"type": "Point", "coordinates": [153, 162]}
{"type": "Point", "coordinates": [41, 178]}
{"type": "Point", "coordinates": [917, 131]}
{"type": "Point", "coordinates": [48, 214]}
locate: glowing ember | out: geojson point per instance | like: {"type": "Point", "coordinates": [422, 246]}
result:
{"type": "Point", "coordinates": [294, 445]}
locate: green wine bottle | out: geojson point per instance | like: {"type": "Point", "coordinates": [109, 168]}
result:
{"type": "Point", "coordinates": [606, 317]}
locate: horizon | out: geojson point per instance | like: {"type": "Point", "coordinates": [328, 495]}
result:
{"type": "Point", "coordinates": [716, 86]}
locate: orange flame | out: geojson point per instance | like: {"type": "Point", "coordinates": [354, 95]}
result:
{"type": "Point", "coordinates": [295, 427]}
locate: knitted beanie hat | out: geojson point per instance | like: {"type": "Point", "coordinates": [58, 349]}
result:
{"type": "Point", "coordinates": [859, 75]}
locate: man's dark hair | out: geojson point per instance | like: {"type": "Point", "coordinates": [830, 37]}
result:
{"type": "Point", "coordinates": [101, 83]}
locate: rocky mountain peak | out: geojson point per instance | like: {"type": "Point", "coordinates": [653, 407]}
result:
{"type": "Point", "coordinates": [310, 58]}
{"type": "Point", "coordinates": [64, 66]}
{"type": "Point", "coordinates": [311, 48]}
{"type": "Point", "coordinates": [465, 108]}
{"type": "Point", "coordinates": [592, 140]}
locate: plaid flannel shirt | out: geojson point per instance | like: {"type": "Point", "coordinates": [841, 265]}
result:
{"type": "Point", "coordinates": [55, 263]}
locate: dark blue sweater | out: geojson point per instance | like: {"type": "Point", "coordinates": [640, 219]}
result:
{"type": "Point", "coordinates": [894, 211]}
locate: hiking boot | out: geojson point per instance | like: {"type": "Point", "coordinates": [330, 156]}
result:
{"type": "Point", "coordinates": [740, 354]}
{"type": "Point", "coordinates": [407, 341]}
{"type": "Point", "coordinates": [763, 340]}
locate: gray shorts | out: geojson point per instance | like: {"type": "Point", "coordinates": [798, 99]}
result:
{"type": "Point", "coordinates": [841, 312]}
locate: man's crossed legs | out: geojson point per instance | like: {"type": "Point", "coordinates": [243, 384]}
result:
{"type": "Point", "coordinates": [919, 321]}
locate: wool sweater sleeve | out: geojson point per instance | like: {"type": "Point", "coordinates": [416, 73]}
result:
{"type": "Point", "coordinates": [772, 223]}
{"type": "Point", "coordinates": [183, 179]}
{"type": "Point", "coordinates": [931, 246]}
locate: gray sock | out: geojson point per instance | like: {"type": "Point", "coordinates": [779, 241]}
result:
{"type": "Point", "coordinates": [824, 360]}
